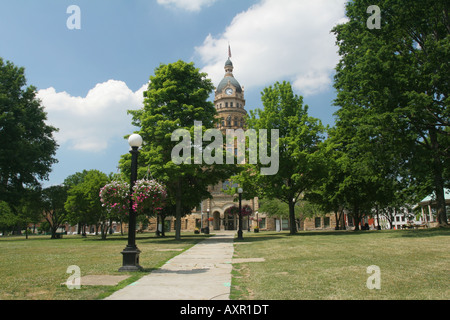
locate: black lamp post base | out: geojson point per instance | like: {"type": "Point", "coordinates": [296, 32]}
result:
{"type": "Point", "coordinates": [131, 260]}
{"type": "Point", "coordinates": [240, 237]}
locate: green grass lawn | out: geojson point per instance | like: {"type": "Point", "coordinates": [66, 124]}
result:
{"type": "Point", "coordinates": [414, 264]}
{"type": "Point", "coordinates": [35, 268]}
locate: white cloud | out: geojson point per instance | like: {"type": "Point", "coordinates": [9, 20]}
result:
{"type": "Point", "coordinates": [189, 5]}
{"type": "Point", "coordinates": [278, 40]}
{"type": "Point", "coordinates": [92, 122]}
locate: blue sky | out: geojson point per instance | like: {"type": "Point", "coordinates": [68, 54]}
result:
{"type": "Point", "coordinates": [88, 78]}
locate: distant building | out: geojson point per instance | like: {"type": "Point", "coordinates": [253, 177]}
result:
{"type": "Point", "coordinates": [428, 207]}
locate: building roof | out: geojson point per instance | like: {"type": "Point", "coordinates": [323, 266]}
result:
{"type": "Point", "coordinates": [229, 78]}
{"type": "Point", "coordinates": [228, 63]}
{"type": "Point", "coordinates": [233, 82]}
{"type": "Point", "coordinates": [432, 198]}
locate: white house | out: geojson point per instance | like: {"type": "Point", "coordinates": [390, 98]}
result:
{"type": "Point", "coordinates": [428, 206]}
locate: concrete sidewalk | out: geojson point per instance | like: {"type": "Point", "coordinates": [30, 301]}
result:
{"type": "Point", "coordinates": [201, 273]}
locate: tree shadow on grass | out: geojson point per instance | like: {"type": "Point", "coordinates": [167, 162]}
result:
{"type": "Point", "coordinates": [335, 233]}
{"type": "Point", "coordinates": [151, 238]}
{"type": "Point", "coordinates": [424, 233]}
{"type": "Point", "coordinates": [263, 236]}
{"type": "Point", "coordinates": [413, 233]}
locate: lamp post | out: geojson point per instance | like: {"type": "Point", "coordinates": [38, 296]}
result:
{"type": "Point", "coordinates": [207, 219]}
{"type": "Point", "coordinates": [240, 215]}
{"type": "Point", "coordinates": [131, 252]}
{"type": "Point", "coordinates": [201, 220]}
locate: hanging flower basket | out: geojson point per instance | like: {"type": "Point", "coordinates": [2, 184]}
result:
{"type": "Point", "coordinates": [232, 210]}
{"type": "Point", "coordinates": [115, 197]}
{"type": "Point", "coordinates": [246, 210]}
{"type": "Point", "coordinates": [148, 196]}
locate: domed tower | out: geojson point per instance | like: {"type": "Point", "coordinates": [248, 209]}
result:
{"type": "Point", "coordinates": [230, 105]}
{"type": "Point", "coordinates": [229, 101]}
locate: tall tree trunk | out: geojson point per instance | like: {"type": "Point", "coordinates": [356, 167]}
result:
{"type": "Point", "coordinates": [104, 228]}
{"type": "Point", "coordinates": [178, 211]}
{"type": "Point", "coordinates": [157, 225]}
{"type": "Point", "coordinates": [162, 221]}
{"type": "Point", "coordinates": [438, 180]}
{"type": "Point", "coordinates": [292, 224]}
{"type": "Point", "coordinates": [378, 219]}
{"type": "Point", "coordinates": [339, 215]}
{"type": "Point", "coordinates": [336, 217]}
{"type": "Point", "coordinates": [342, 218]}
{"type": "Point", "coordinates": [53, 230]}
{"type": "Point", "coordinates": [357, 218]}
{"type": "Point", "coordinates": [391, 218]}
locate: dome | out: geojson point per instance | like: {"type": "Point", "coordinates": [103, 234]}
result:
{"type": "Point", "coordinates": [229, 78]}
{"type": "Point", "coordinates": [228, 63]}
{"type": "Point", "coordinates": [232, 81]}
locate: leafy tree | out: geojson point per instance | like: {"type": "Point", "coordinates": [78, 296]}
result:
{"type": "Point", "coordinates": [300, 136]}
{"type": "Point", "coordinates": [7, 218]}
{"type": "Point", "coordinates": [277, 208]}
{"type": "Point", "coordinates": [29, 210]}
{"type": "Point", "coordinates": [83, 200]}
{"type": "Point", "coordinates": [77, 211]}
{"type": "Point", "coordinates": [177, 96]}
{"type": "Point", "coordinates": [326, 193]}
{"type": "Point", "coordinates": [394, 82]}
{"type": "Point", "coordinates": [52, 205]}
{"type": "Point", "coordinates": [27, 146]}
{"type": "Point", "coordinates": [274, 208]}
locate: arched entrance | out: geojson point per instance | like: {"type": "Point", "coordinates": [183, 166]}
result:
{"type": "Point", "coordinates": [216, 220]}
{"type": "Point", "coordinates": [230, 222]}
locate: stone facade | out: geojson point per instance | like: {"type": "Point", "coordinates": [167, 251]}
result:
{"type": "Point", "coordinates": [230, 105]}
